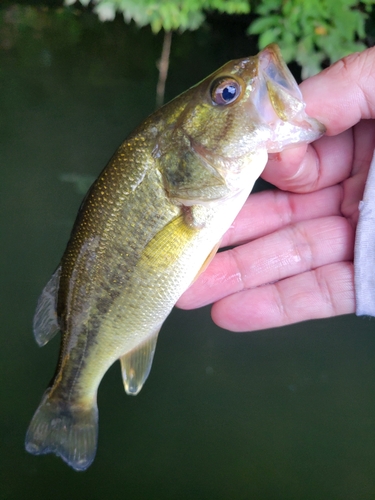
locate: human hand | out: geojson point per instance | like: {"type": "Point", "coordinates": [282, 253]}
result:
{"type": "Point", "coordinates": [293, 248]}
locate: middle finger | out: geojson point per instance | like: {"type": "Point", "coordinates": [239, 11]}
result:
{"type": "Point", "coordinates": [292, 250]}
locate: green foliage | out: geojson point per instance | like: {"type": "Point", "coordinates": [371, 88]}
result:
{"type": "Point", "coordinates": [55, 27]}
{"type": "Point", "coordinates": [312, 31]}
{"type": "Point", "coordinates": [309, 32]}
{"type": "Point", "coordinates": [164, 14]}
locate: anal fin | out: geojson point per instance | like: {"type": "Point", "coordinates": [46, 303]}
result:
{"type": "Point", "coordinates": [136, 365]}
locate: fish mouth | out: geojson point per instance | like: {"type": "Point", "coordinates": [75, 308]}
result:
{"type": "Point", "coordinates": [282, 88]}
{"type": "Point", "coordinates": [281, 105]}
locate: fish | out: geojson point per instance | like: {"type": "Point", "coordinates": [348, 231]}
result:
{"type": "Point", "coordinates": [147, 227]}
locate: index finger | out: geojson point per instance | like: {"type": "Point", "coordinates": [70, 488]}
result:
{"type": "Point", "coordinates": [343, 94]}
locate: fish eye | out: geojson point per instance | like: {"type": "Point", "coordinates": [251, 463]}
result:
{"type": "Point", "coordinates": [225, 90]}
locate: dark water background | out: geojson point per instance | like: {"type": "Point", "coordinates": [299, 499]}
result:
{"type": "Point", "coordinates": [280, 414]}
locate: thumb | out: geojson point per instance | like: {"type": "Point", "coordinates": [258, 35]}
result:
{"type": "Point", "coordinates": [339, 97]}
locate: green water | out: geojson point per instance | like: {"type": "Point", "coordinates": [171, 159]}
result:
{"type": "Point", "coordinates": [280, 414]}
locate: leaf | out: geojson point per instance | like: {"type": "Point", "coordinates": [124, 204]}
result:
{"type": "Point", "coordinates": [262, 24]}
{"type": "Point", "coordinates": [268, 6]}
{"type": "Point", "coordinates": [105, 11]}
{"type": "Point", "coordinates": [269, 36]}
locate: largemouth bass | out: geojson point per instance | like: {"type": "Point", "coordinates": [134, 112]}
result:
{"type": "Point", "coordinates": [147, 227]}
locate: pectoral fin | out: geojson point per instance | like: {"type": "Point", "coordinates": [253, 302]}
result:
{"type": "Point", "coordinates": [136, 365]}
{"type": "Point", "coordinates": [45, 319]}
{"type": "Point", "coordinates": [206, 263]}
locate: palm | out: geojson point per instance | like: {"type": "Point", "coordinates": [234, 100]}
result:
{"type": "Point", "coordinates": [292, 255]}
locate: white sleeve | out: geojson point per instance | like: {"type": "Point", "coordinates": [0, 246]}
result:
{"type": "Point", "coordinates": [364, 249]}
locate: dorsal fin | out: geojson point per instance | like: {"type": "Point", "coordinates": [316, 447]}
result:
{"type": "Point", "coordinates": [45, 322]}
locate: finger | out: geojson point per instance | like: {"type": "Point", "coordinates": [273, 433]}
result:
{"type": "Point", "coordinates": [339, 97]}
{"type": "Point", "coordinates": [326, 162]}
{"type": "Point", "coordinates": [290, 251]}
{"type": "Point", "coordinates": [343, 94]}
{"type": "Point", "coordinates": [320, 293]}
{"type": "Point", "coordinates": [265, 212]}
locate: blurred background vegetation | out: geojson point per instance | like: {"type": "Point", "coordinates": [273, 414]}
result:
{"type": "Point", "coordinates": [309, 32]}
{"type": "Point", "coordinates": [312, 33]}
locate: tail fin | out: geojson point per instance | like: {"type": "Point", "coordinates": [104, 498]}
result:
{"type": "Point", "coordinates": [68, 431]}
